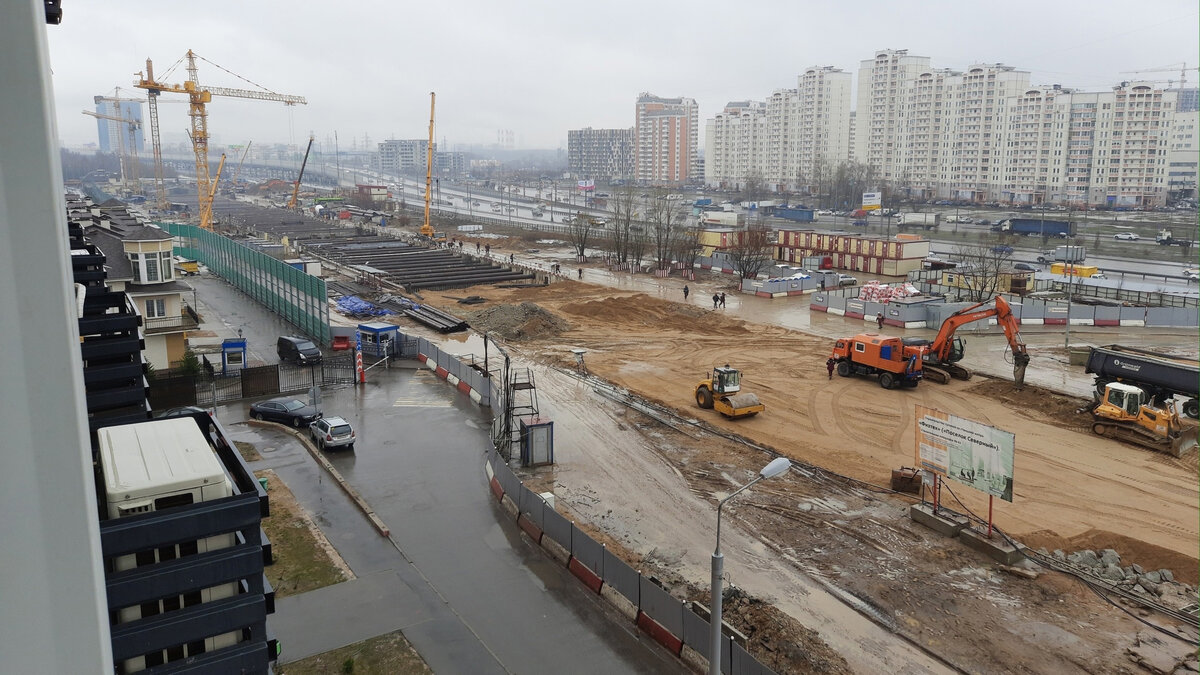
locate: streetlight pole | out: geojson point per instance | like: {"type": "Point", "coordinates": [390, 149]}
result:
{"type": "Point", "coordinates": [777, 466]}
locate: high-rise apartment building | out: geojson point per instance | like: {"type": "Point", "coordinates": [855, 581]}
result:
{"type": "Point", "coordinates": [780, 142]}
{"type": "Point", "coordinates": [600, 154]}
{"type": "Point", "coordinates": [736, 145]}
{"type": "Point", "coordinates": [882, 82]}
{"type": "Point", "coordinates": [1187, 100]}
{"type": "Point", "coordinates": [402, 156]}
{"type": "Point", "coordinates": [1183, 151]}
{"type": "Point", "coordinates": [975, 134]}
{"type": "Point", "coordinates": [922, 153]}
{"type": "Point", "coordinates": [821, 130]}
{"type": "Point", "coordinates": [666, 140]}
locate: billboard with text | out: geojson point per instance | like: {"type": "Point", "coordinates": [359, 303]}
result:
{"type": "Point", "coordinates": [966, 451]}
{"type": "Point", "coordinates": [872, 201]}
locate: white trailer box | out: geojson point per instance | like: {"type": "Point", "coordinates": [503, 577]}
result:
{"type": "Point", "coordinates": [151, 466]}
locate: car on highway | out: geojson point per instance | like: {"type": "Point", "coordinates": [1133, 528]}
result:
{"type": "Point", "coordinates": [1024, 267]}
{"type": "Point", "coordinates": [1126, 236]}
{"type": "Point", "coordinates": [824, 212]}
{"type": "Point", "coordinates": [983, 221]}
{"type": "Point", "coordinates": [861, 222]}
{"type": "Point", "coordinates": [332, 432]}
{"type": "Point", "coordinates": [1002, 249]}
{"type": "Point", "coordinates": [285, 410]}
{"type": "Point", "coordinates": [1192, 275]}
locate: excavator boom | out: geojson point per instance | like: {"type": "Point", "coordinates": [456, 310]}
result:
{"type": "Point", "coordinates": [940, 352]}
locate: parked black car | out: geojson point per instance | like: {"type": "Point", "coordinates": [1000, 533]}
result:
{"type": "Point", "coordinates": [298, 350]}
{"type": "Point", "coordinates": [285, 411]}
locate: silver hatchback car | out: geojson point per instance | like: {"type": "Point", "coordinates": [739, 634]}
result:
{"type": "Point", "coordinates": [332, 432]}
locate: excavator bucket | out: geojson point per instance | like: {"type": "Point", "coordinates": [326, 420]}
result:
{"type": "Point", "coordinates": [1020, 362]}
{"type": "Point", "coordinates": [1185, 441]}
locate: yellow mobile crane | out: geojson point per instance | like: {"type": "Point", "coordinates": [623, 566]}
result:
{"type": "Point", "coordinates": [296, 189]}
{"type": "Point", "coordinates": [426, 228]}
{"type": "Point", "coordinates": [238, 171]}
{"type": "Point", "coordinates": [198, 98]}
{"type": "Point", "coordinates": [206, 217]}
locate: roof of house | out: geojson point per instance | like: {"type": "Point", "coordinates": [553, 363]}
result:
{"type": "Point", "coordinates": [115, 262]}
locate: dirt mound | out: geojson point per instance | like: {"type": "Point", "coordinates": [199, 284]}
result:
{"type": "Point", "coordinates": [526, 321]}
{"type": "Point", "coordinates": [648, 312]}
{"type": "Point", "coordinates": [1037, 403]}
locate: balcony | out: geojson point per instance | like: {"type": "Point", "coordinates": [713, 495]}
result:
{"type": "Point", "coordinates": [187, 319]}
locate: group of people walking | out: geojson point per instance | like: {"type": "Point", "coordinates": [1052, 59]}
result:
{"type": "Point", "coordinates": [718, 298]}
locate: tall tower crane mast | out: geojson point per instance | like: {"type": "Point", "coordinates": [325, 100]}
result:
{"type": "Point", "coordinates": [129, 161]}
{"type": "Point", "coordinates": [426, 228]}
{"type": "Point", "coordinates": [198, 98]}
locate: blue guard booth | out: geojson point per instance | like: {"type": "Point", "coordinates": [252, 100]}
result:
{"type": "Point", "coordinates": [233, 355]}
{"type": "Point", "coordinates": [378, 338]}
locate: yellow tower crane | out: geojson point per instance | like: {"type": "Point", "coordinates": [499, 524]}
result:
{"type": "Point", "coordinates": [426, 228]}
{"type": "Point", "coordinates": [129, 161]}
{"type": "Point", "coordinates": [198, 98]}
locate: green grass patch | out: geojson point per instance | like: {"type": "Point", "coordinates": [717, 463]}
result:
{"type": "Point", "coordinates": [384, 655]}
{"type": "Point", "coordinates": [304, 560]}
{"type": "Point", "coordinates": [249, 452]}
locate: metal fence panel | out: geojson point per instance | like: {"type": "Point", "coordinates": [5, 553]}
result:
{"type": "Point", "coordinates": [171, 392]}
{"type": "Point", "coordinates": [557, 527]}
{"type": "Point", "coordinates": [260, 381]}
{"type": "Point", "coordinates": [1108, 313]}
{"type": "Point", "coordinates": [662, 607]}
{"type": "Point", "coordinates": [1083, 311]}
{"type": "Point", "coordinates": [1133, 313]}
{"type": "Point", "coordinates": [742, 663]}
{"type": "Point", "coordinates": [619, 575]}
{"type": "Point", "coordinates": [508, 481]}
{"type": "Point", "coordinates": [587, 550]}
{"type": "Point", "coordinates": [532, 506]}
{"type": "Point", "coordinates": [696, 632]}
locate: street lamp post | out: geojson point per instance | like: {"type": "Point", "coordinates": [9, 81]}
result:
{"type": "Point", "coordinates": [777, 466]}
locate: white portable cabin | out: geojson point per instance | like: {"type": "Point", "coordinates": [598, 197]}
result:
{"type": "Point", "coordinates": [151, 466]}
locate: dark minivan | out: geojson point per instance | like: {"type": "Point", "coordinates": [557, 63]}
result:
{"type": "Point", "coordinates": [298, 350]}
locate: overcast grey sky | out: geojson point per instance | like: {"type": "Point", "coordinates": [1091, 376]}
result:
{"type": "Point", "coordinates": [542, 67]}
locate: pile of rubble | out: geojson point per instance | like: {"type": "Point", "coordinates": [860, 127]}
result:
{"type": "Point", "coordinates": [873, 291]}
{"type": "Point", "coordinates": [1107, 565]}
{"type": "Point", "coordinates": [516, 322]}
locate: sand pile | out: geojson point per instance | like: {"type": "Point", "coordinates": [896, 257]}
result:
{"type": "Point", "coordinates": [518, 322]}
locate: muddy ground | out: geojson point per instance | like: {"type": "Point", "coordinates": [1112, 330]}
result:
{"type": "Point", "coordinates": [1072, 490]}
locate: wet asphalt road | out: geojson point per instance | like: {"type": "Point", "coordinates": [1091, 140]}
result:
{"type": "Point", "coordinates": [457, 576]}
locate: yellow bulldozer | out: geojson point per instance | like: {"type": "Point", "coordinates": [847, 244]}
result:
{"type": "Point", "coordinates": [722, 390]}
{"type": "Point", "coordinates": [1127, 413]}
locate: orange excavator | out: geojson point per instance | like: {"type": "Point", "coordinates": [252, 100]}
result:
{"type": "Point", "coordinates": [940, 356]}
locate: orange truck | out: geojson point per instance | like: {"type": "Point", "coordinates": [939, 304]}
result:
{"type": "Point", "coordinates": [895, 364]}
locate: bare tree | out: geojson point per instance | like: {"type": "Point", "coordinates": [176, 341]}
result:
{"type": "Point", "coordinates": [754, 189]}
{"type": "Point", "coordinates": [986, 263]}
{"type": "Point", "coordinates": [620, 235]}
{"type": "Point", "coordinates": [666, 225]}
{"type": "Point", "coordinates": [751, 250]}
{"type": "Point", "coordinates": [580, 230]}
{"type": "Point", "coordinates": [687, 247]}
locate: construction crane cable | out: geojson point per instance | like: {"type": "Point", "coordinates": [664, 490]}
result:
{"type": "Point", "coordinates": [216, 65]}
{"type": "Point", "coordinates": [166, 75]}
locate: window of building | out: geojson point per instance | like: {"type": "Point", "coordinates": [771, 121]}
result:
{"type": "Point", "coordinates": [156, 308]}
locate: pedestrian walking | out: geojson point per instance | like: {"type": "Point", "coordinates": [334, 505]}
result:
{"type": "Point", "coordinates": [477, 247]}
{"type": "Point", "coordinates": [879, 319]}
{"type": "Point", "coordinates": [488, 249]}
{"type": "Point", "coordinates": [716, 299]}
{"type": "Point", "coordinates": [580, 272]}
{"type": "Point", "coordinates": [722, 301]}
{"type": "Point", "coordinates": [512, 258]}
{"type": "Point", "coordinates": [830, 365]}
{"type": "Point", "coordinates": [685, 291]}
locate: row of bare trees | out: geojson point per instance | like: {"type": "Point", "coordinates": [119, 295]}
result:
{"type": "Point", "coordinates": [662, 231]}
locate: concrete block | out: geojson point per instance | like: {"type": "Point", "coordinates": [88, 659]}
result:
{"type": "Point", "coordinates": [997, 548]}
{"type": "Point", "coordinates": [1032, 322]}
{"type": "Point", "coordinates": [510, 506]}
{"type": "Point", "coordinates": [452, 379]}
{"type": "Point", "coordinates": [620, 602]}
{"type": "Point", "coordinates": [945, 524]}
{"type": "Point", "coordinates": [556, 550]}
{"type": "Point", "coordinates": [697, 662]}
{"type": "Point", "coordinates": [1082, 322]}
{"type": "Point", "coordinates": [836, 312]}
{"type": "Point", "coordinates": [1133, 323]}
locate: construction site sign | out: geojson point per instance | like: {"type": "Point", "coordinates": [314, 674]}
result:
{"type": "Point", "coordinates": [872, 201]}
{"type": "Point", "coordinates": [966, 451]}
